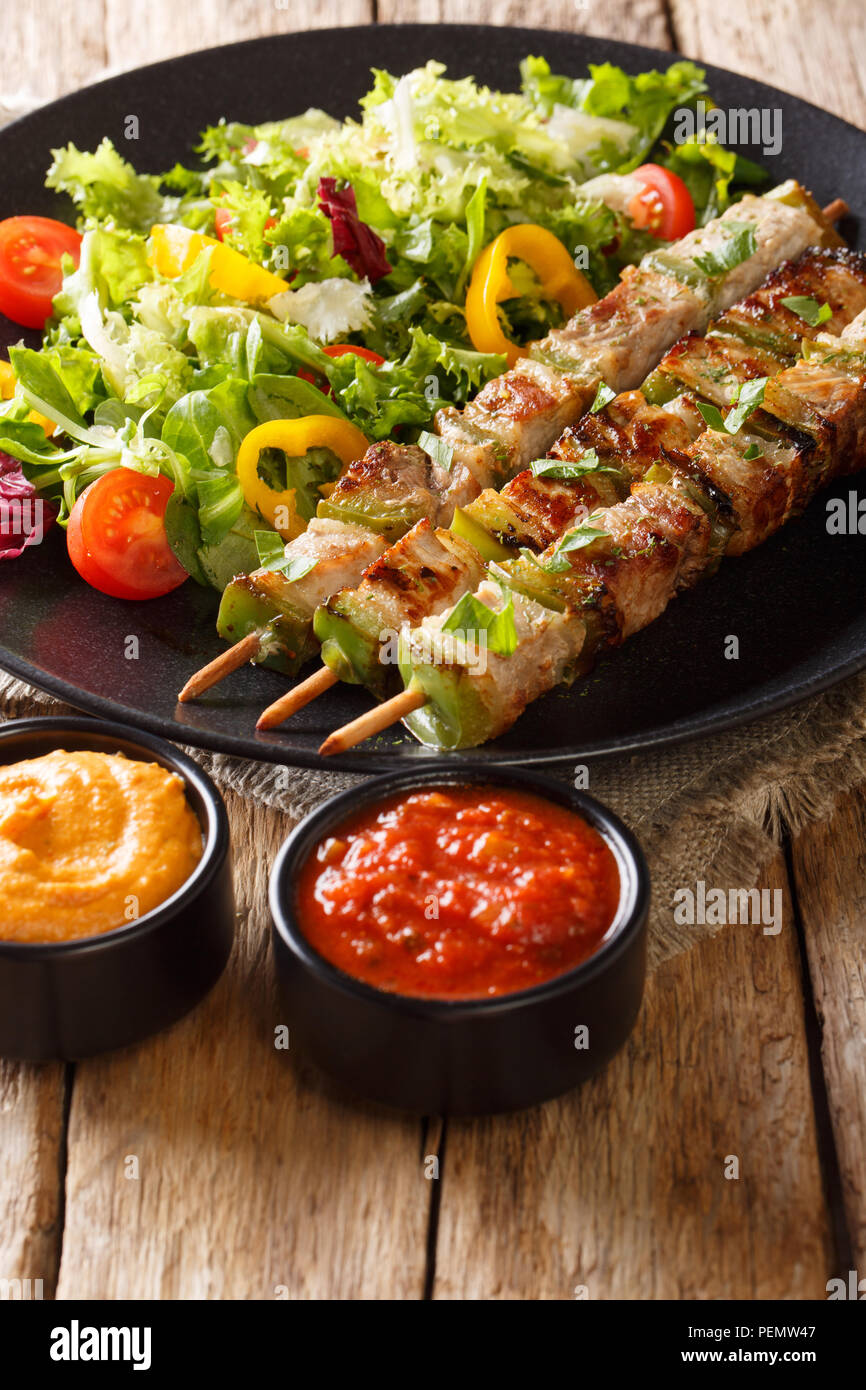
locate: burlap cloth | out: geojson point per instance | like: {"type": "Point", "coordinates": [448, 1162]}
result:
{"type": "Point", "coordinates": [715, 810]}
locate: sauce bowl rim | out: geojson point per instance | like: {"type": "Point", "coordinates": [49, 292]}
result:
{"type": "Point", "coordinates": [629, 919]}
{"type": "Point", "coordinates": [136, 745]}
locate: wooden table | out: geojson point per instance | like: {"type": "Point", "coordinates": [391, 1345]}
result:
{"type": "Point", "coordinates": [253, 1182]}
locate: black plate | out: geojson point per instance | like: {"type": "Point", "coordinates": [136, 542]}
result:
{"type": "Point", "coordinates": [795, 605]}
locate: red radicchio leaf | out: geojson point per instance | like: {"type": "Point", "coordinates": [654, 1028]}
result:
{"type": "Point", "coordinates": [24, 516]}
{"type": "Point", "coordinates": [357, 243]}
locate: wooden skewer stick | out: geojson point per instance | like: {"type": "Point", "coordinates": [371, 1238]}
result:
{"type": "Point", "coordinates": [222, 665]}
{"type": "Point", "coordinates": [838, 208]}
{"type": "Point", "coordinates": [373, 722]}
{"type": "Point", "coordinates": [295, 699]}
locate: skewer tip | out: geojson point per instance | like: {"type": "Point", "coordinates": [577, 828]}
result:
{"type": "Point", "coordinates": [373, 722]}
{"type": "Point", "coordinates": [332, 744]}
{"type": "Point", "coordinates": [297, 698]}
{"type": "Point", "coordinates": [221, 666]}
{"type": "Point", "coordinates": [836, 210]}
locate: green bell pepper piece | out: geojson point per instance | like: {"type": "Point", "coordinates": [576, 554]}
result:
{"type": "Point", "coordinates": [677, 268]}
{"type": "Point", "coordinates": [349, 633]}
{"type": "Point", "coordinates": [472, 528]}
{"type": "Point", "coordinates": [390, 522]}
{"type": "Point", "coordinates": [454, 716]}
{"type": "Point", "coordinates": [287, 639]}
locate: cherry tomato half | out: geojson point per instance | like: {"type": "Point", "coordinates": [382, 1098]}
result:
{"type": "Point", "coordinates": [30, 275]}
{"type": "Point", "coordinates": [665, 208]}
{"type": "Point", "coordinates": [116, 536]}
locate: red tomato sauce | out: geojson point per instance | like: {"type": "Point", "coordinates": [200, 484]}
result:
{"type": "Point", "coordinates": [459, 892]}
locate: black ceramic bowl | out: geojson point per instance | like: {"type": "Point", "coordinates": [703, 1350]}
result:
{"type": "Point", "coordinates": [74, 999]}
{"type": "Point", "coordinates": [467, 1057]}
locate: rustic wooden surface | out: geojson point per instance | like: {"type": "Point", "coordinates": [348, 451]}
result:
{"type": "Point", "coordinates": [252, 1181]}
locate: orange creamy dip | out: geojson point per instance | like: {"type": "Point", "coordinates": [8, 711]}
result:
{"type": "Point", "coordinates": [89, 842]}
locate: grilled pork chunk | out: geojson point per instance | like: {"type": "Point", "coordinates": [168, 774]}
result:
{"type": "Point", "coordinates": [338, 551]}
{"type": "Point", "coordinates": [478, 689]}
{"type": "Point", "coordinates": [388, 490]}
{"type": "Point", "coordinates": [834, 277]}
{"type": "Point", "coordinates": [631, 434]}
{"type": "Point", "coordinates": [341, 553]}
{"type": "Point", "coordinates": [423, 573]}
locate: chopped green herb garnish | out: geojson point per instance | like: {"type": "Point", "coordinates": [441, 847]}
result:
{"type": "Point", "coordinates": [440, 450]}
{"type": "Point", "coordinates": [739, 246]}
{"type": "Point", "coordinates": [471, 616]}
{"type": "Point", "coordinates": [809, 310]}
{"type": "Point", "coordinates": [294, 567]}
{"type": "Point", "coordinates": [754, 451]}
{"type": "Point", "coordinates": [588, 462]}
{"type": "Point", "coordinates": [526, 554]}
{"type": "Point", "coordinates": [747, 399]}
{"type": "Point", "coordinates": [576, 539]}
{"type": "Point", "coordinates": [272, 557]}
{"type": "Point", "coordinates": [603, 396]}
{"type": "Point", "coordinates": [269, 546]}
{"type": "Point", "coordinates": [713, 417]}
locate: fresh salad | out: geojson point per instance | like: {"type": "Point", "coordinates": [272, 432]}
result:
{"type": "Point", "coordinates": [220, 340]}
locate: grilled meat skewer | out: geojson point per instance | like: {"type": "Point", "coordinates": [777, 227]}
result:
{"type": "Point", "coordinates": [355, 626]}
{"type": "Point", "coordinates": [569, 603]}
{"type": "Point", "coordinates": [518, 416]}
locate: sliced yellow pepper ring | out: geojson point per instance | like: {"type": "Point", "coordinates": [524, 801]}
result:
{"type": "Point", "coordinates": [7, 391]}
{"type": "Point", "coordinates": [294, 437]}
{"type": "Point", "coordinates": [172, 250]}
{"type": "Point", "coordinates": [7, 381]}
{"type": "Point", "coordinates": [490, 284]}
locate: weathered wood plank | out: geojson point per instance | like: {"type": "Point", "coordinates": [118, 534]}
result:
{"type": "Point", "coordinates": [163, 28]}
{"type": "Point", "coordinates": [252, 1181]}
{"type": "Point", "coordinates": [637, 21]}
{"type": "Point", "coordinates": [621, 1187]}
{"type": "Point", "coordinates": [814, 50]}
{"type": "Point", "coordinates": [31, 1147]}
{"type": "Point", "coordinates": [59, 47]}
{"type": "Point", "coordinates": [55, 48]}
{"type": "Point", "coordinates": [830, 875]}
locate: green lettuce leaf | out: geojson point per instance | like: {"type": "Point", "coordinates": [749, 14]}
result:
{"type": "Point", "coordinates": [207, 426]}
